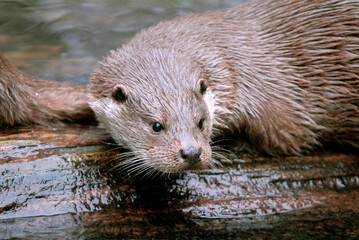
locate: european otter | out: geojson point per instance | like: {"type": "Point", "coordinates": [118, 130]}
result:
{"type": "Point", "coordinates": [281, 76]}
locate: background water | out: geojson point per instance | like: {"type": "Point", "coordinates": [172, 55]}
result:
{"type": "Point", "coordinates": [63, 40]}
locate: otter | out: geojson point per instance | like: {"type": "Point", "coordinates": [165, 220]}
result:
{"type": "Point", "coordinates": [280, 77]}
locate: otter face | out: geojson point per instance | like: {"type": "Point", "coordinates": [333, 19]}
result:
{"type": "Point", "coordinates": [156, 104]}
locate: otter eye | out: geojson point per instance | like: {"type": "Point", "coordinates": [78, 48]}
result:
{"type": "Point", "coordinates": [200, 124]}
{"type": "Point", "coordinates": [157, 127]}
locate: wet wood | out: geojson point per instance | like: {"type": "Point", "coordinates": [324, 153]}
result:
{"type": "Point", "coordinates": [59, 183]}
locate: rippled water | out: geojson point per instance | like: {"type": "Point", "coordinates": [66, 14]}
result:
{"type": "Point", "coordinates": [63, 40]}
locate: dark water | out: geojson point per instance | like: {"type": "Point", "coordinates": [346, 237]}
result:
{"type": "Point", "coordinates": [57, 183]}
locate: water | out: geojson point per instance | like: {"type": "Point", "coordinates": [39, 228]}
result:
{"type": "Point", "coordinates": [58, 183]}
{"type": "Point", "coordinates": [63, 40]}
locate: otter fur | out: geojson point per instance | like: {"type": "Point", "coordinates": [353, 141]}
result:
{"type": "Point", "coordinates": [26, 100]}
{"type": "Point", "coordinates": [281, 77]}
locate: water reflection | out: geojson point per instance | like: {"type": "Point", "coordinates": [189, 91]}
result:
{"type": "Point", "coordinates": [63, 40]}
{"type": "Point", "coordinates": [64, 174]}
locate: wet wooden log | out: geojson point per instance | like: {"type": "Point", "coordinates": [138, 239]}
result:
{"type": "Point", "coordinates": [59, 183]}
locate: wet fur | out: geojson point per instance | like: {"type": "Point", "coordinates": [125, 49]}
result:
{"type": "Point", "coordinates": [153, 96]}
{"type": "Point", "coordinates": [282, 76]}
{"type": "Point", "coordinates": [25, 100]}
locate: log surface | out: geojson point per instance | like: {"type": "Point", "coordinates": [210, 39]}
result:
{"type": "Point", "coordinates": [59, 183]}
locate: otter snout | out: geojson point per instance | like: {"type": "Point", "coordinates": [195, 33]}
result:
{"type": "Point", "coordinates": [191, 155]}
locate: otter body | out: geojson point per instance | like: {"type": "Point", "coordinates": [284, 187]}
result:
{"type": "Point", "coordinates": [281, 76]}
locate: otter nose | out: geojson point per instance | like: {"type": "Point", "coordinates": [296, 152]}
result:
{"type": "Point", "coordinates": [191, 155]}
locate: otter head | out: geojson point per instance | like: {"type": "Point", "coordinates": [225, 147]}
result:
{"type": "Point", "coordinates": [156, 104]}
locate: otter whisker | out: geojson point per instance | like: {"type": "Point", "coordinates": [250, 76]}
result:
{"type": "Point", "coordinates": [220, 157]}
{"type": "Point", "coordinates": [125, 165]}
{"type": "Point", "coordinates": [217, 159]}
{"type": "Point", "coordinates": [123, 156]}
{"type": "Point", "coordinates": [222, 149]}
{"type": "Point", "coordinates": [127, 152]}
{"type": "Point", "coordinates": [132, 162]}
{"type": "Point", "coordinates": [167, 175]}
{"type": "Point", "coordinates": [134, 165]}
{"type": "Point", "coordinates": [214, 163]}
{"type": "Point", "coordinates": [151, 173]}
{"type": "Point", "coordinates": [122, 168]}
{"type": "Point", "coordinates": [138, 168]}
{"type": "Point", "coordinates": [143, 168]}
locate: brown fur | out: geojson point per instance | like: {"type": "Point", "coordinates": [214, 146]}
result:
{"type": "Point", "coordinates": [26, 100]}
{"type": "Point", "coordinates": [284, 74]}
{"type": "Point", "coordinates": [281, 76]}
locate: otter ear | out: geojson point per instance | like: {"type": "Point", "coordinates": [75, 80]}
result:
{"type": "Point", "coordinates": [203, 86]}
{"type": "Point", "coordinates": [119, 93]}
